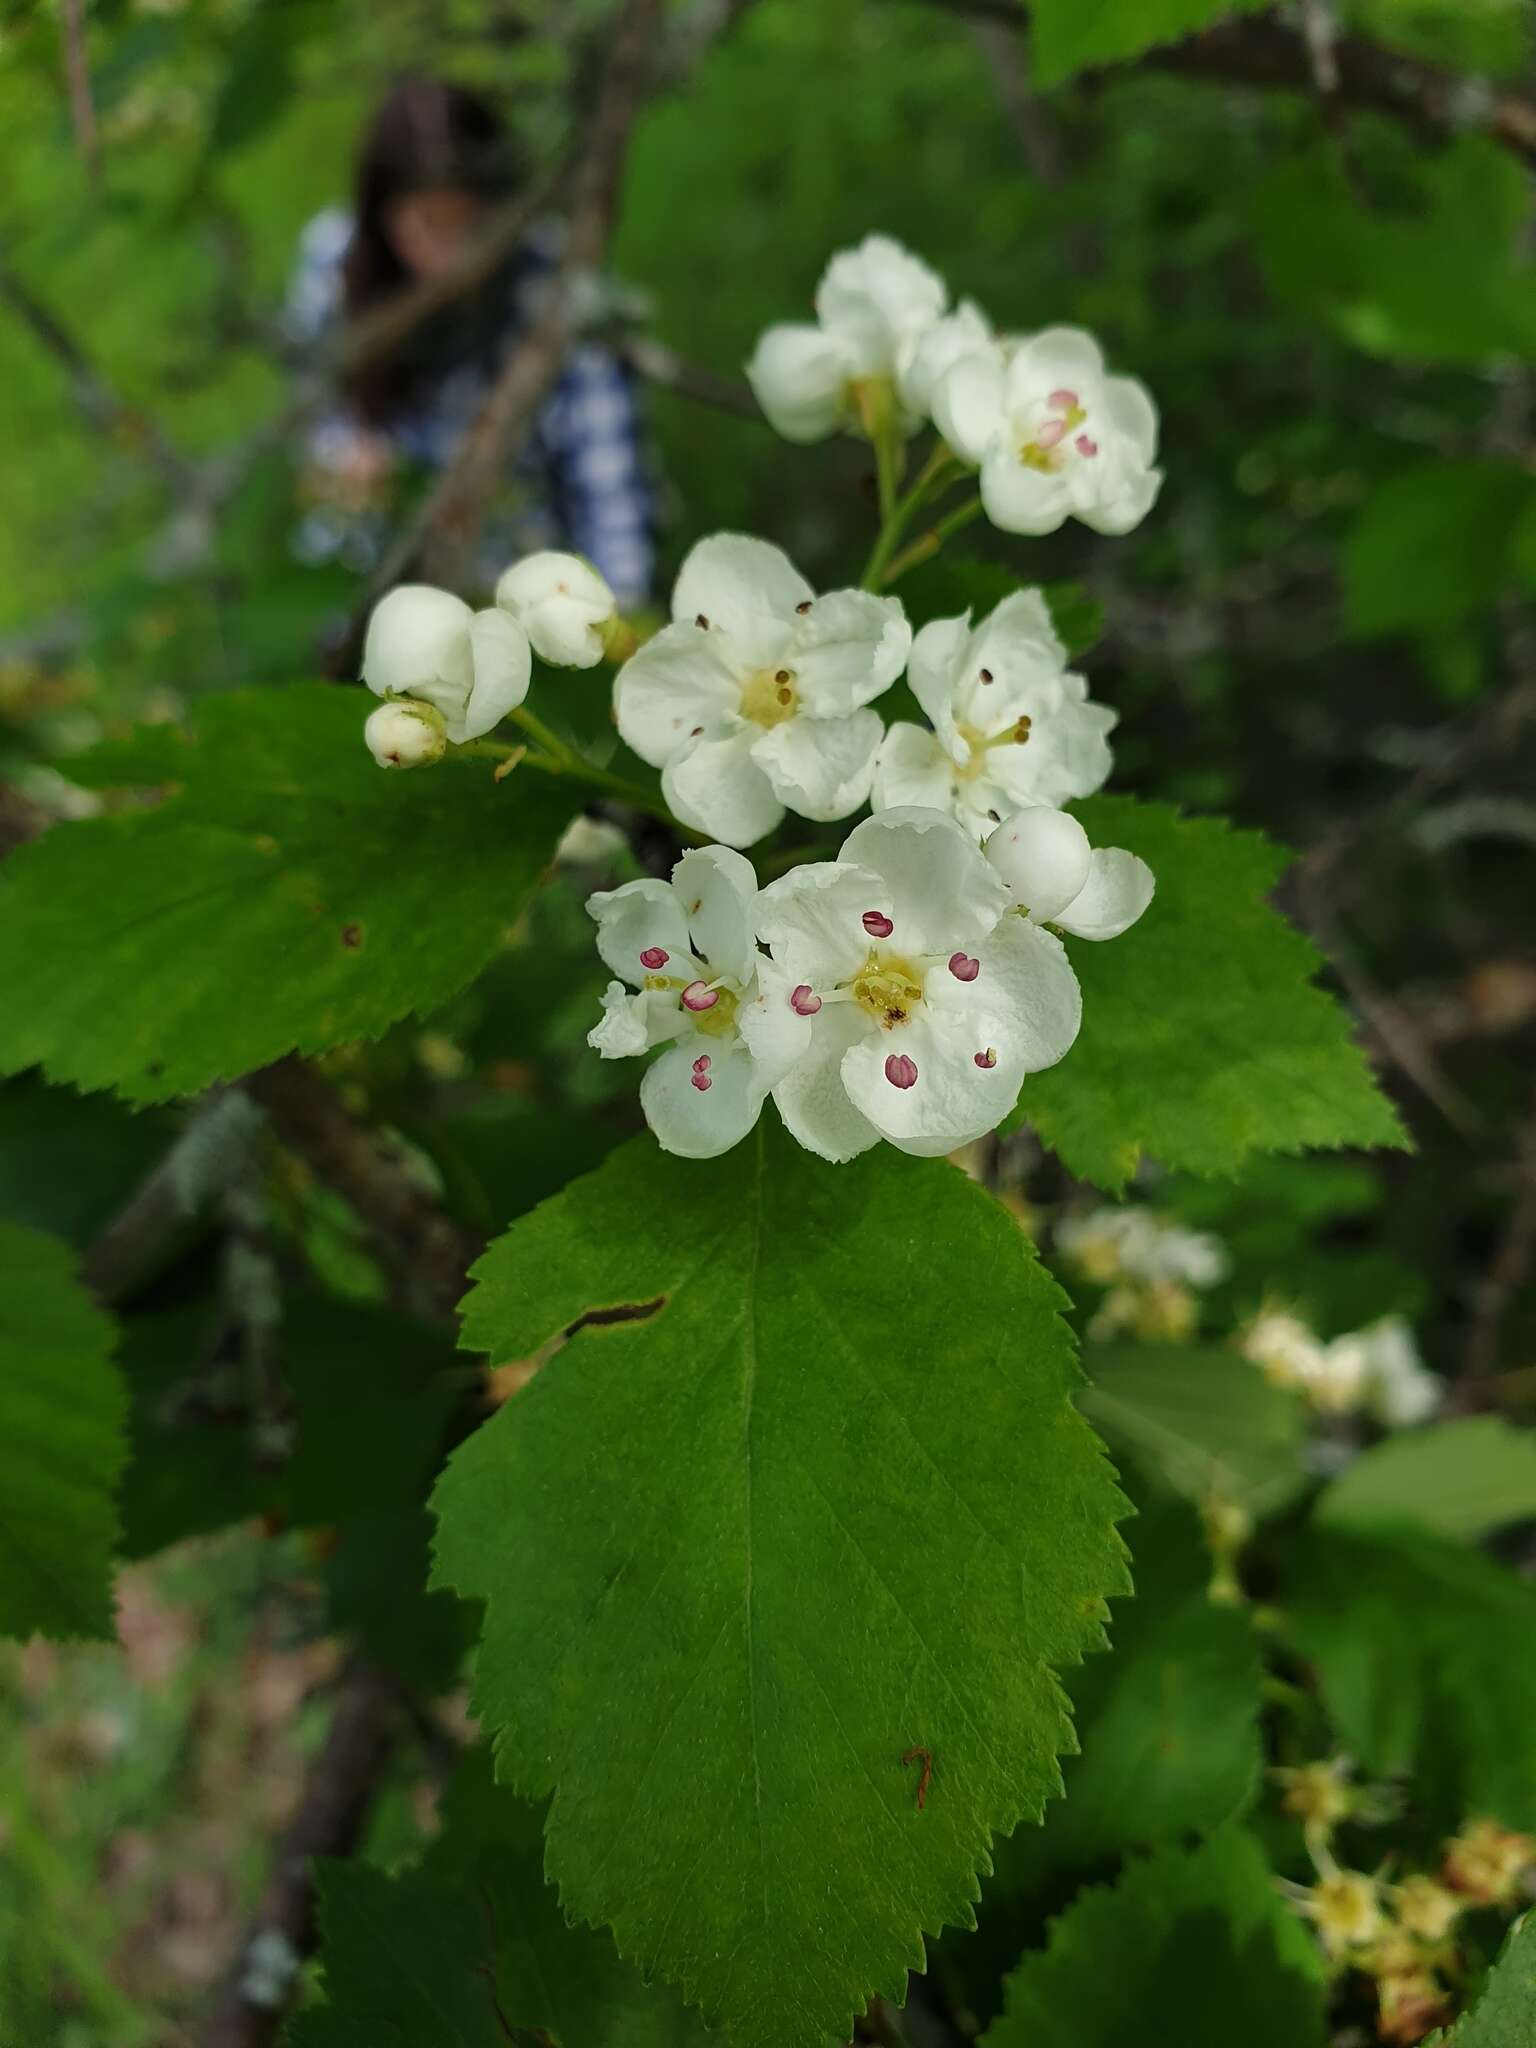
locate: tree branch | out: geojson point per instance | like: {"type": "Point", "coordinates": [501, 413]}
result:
{"type": "Point", "coordinates": [1264, 51]}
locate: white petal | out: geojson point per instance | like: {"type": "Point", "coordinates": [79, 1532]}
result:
{"type": "Point", "coordinates": [1057, 358]}
{"type": "Point", "coordinates": [714, 785]}
{"type": "Point", "coordinates": [736, 581]}
{"type": "Point", "coordinates": [1019, 636]}
{"type": "Point", "coordinates": [938, 661]}
{"type": "Point", "coordinates": [410, 633]}
{"type": "Point", "coordinates": [1129, 407]}
{"type": "Point", "coordinates": [968, 405]}
{"type": "Point", "coordinates": [632, 1024]}
{"type": "Point", "coordinates": [812, 1099]}
{"type": "Point", "coordinates": [846, 649]}
{"type": "Point", "coordinates": [695, 1122]}
{"type": "Point", "coordinates": [876, 297]}
{"type": "Point", "coordinates": [503, 663]}
{"type": "Point", "coordinates": [943, 893]}
{"type": "Point", "coordinates": [951, 1102]}
{"type": "Point", "coordinates": [1118, 890]}
{"type": "Point", "coordinates": [1067, 755]}
{"type": "Point", "coordinates": [639, 918]}
{"type": "Point", "coordinates": [559, 601]}
{"type": "Point", "coordinates": [677, 682]}
{"type": "Point", "coordinates": [1043, 856]}
{"type": "Point", "coordinates": [812, 920]}
{"type": "Point", "coordinates": [1019, 499]}
{"type": "Point", "coordinates": [799, 376]}
{"type": "Point", "coordinates": [912, 768]}
{"type": "Point", "coordinates": [821, 767]}
{"type": "Point", "coordinates": [1024, 1002]}
{"type": "Point", "coordinates": [926, 357]}
{"type": "Point", "coordinates": [1123, 504]}
{"type": "Point", "coordinates": [773, 1031]}
{"type": "Point", "coordinates": [718, 893]}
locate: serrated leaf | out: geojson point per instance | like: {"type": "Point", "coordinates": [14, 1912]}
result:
{"type": "Point", "coordinates": [1426, 1656]}
{"type": "Point", "coordinates": [1203, 1422]}
{"type": "Point", "coordinates": [1459, 1479]}
{"type": "Point", "coordinates": [1203, 1037]}
{"type": "Point", "coordinates": [1074, 35]}
{"type": "Point", "coordinates": [1505, 2014]}
{"type": "Point", "coordinates": [1189, 1947]}
{"type": "Point", "coordinates": [292, 896]}
{"type": "Point", "coordinates": [61, 1444]}
{"type": "Point", "coordinates": [829, 1506]}
{"type": "Point", "coordinates": [472, 1942]}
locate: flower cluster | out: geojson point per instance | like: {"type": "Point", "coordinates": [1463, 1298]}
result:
{"type": "Point", "coordinates": [1052, 434]}
{"type": "Point", "coordinates": [902, 991]}
{"type": "Point", "coordinates": [1376, 1371]}
{"type": "Point", "coordinates": [1151, 1267]}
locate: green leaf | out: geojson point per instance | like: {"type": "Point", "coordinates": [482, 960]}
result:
{"type": "Point", "coordinates": [1460, 1479]}
{"type": "Point", "coordinates": [69, 1162]}
{"type": "Point", "coordinates": [473, 1941]}
{"type": "Point", "coordinates": [1426, 1655]}
{"type": "Point", "coordinates": [827, 1506]}
{"type": "Point", "coordinates": [1203, 1038]}
{"type": "Point", "coordinates": [1505, 2014]}
{"type": "Point", "coordinates": [1202, 1422]}
{"type": "Point", "coordinates": [1188, 1947]}
{"type": "Point", "coordinates": [1074, 35]}
{"type": "Point", "coordinates": [1433, 545]}
{"type": "Point", "coordinates": [292, 896]}
{"type": "Point", "coordinates": [61, 1444]}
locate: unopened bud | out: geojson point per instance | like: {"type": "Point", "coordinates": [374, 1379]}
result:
{"type": "Point", "coordinates": [1486, 1862]}
{"type": "Point", "coordinates": [1043, 855]}
{"type": "Point", "coordinates": [1427, 1909]}
{"type": "Point", "coordinates": [563, 605]}
{"type": "Point", "coordinates": [406, 735]}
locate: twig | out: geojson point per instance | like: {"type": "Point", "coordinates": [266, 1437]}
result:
{"type": "Point", "coordinates": [661, 365]}
{"type": "Point", "coordinates": [366, 1725]}
{"type": "Point", "coordinates": [1264, 51]}
{"type": "Point", "coordinates": [419, 1245]}
{"type": "Point", "coordinates": [1510, 1268]}
{"type": "Point", "coordinates": [77, 73]}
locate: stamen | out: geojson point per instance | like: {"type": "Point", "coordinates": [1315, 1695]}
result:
{"type": "Point", "coordinates": [1063, 401]}
{"type": "Point", "coordinates": [654, 957]}
{"type": "Point", "coordinates": [1086, 445]}
{"type": "Point", "coordinates": [877, 924]}
{"type": "Point", "coordinates": [804, 606]}
{"type": "Point", "coordinates": [698, 995]}
{"type": "Point", "coordinates": [1052, 432]}
{"type": "Point", "coordinates": [986, 675]}
{"type": "Point", "coordinates": [1023, 729]}
{"type": "Point", "coordinates": [803, 1002]}
{"type": "Point", "coordinates": [964, 966]}
{"type": "Point", "coordinates": [987, 1059]}
{"type": "Point", "coordinates": [701, 622]}
{"type": "Point", "coordinates": [702, 1063]}
{"type": "Point", "coordinates": [700, 1081]}
{"type": "Point", "coordinates": [901, 1070]}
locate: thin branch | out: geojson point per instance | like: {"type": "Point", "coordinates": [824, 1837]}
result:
{"type": "Point", "coordinates": [662, 365]}
{"type": "Point", "coordinates": [1265, 51]}
{"type": "Point", "coordinates": [77, 73]}
{"type": "Point", "coordinates": [1510, 1269]}
{"type": "Point", "coordinates": [366, 1725]}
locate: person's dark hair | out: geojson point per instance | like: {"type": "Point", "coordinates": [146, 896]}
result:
{"type": "Point", "coordinates": [427, 136]}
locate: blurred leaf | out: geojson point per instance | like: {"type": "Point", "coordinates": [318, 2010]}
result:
{"type": "Point", "coordinates": [1203, 1037]}
{"type": "Point", "coordinates": [68, 1162]}
{"type": "Point", "coordinates": [61, 1445]}
{"type": "Point", "coordinates": [771, 1556]}
{"type": "Point", "coordinates": [270, 906]}
{"type": "Point", "coordinates": [1194, 1947]}
{"type": "Point", "coordinates": [259, 75]}
{"type": "Point", "coordinates": [1072, 35]}
{"type": "Point", "coordinates": [1426, 1656]}
{"type": "Point", "coordinates": [1459, 1479]}
{"type": "Point", "coordinates": [1204, 1423]}
{"type": "Point", "coordinates": [1434, 544]}
{"type": "Point", "coordinates": [473, 1941]}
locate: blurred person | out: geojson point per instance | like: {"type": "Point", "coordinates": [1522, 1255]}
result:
{"type": "Point", "coordinates": [435, 161]}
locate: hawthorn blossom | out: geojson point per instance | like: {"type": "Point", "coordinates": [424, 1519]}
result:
{"type": "Point", "coordinates": [914, 1004]}
{"type": "Point", "coordinates": [428, 646]}
{"type": "Point", "coordinates": [1057, 878]}
{"type": "Point", "coordinates": [405, 735]}
{"type": "Point", "coordinates": [926, 356]}
{"type": "Point", "coordinates": [1376, 1370]}
{"type": "Point", "coordinates": [1053, 436]}
{"type": "Point", "coordinates": [1012, 724]}
{"type": "Point", "coordinates": [687, 958]}
{"type": "Point", "coordinates": [755, 697]}
{"type": "Point", "coordinates": [562, 604]}
{"type": "Point", "coordinates": [873, 305]}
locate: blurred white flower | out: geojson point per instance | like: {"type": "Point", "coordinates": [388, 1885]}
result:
{"type": "Point", "coordinates": [562, 604]}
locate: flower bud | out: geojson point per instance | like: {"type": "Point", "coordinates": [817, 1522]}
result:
{"type": "Point", "coordinates": [1043, 855]}
{"type": "Point", "coordinates": [405, 735]}
{"type": "Point", "coordinates": [428, 645]}
{"type": "Point", "coordinates": [562, 604]}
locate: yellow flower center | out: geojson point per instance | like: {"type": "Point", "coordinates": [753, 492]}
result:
{"type": "Point", "coordinates": [715, 1022]}
{"type": "Point", "coordinates": [769, 697]}
{"type": "Point", "coordinates": [888, 987]}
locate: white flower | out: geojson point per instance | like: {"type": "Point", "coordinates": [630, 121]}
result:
{"type": "Point", "coordinates": [1056, 878]}
{"type": "Point", "coordinates": [405, 735]}
{"type": "Point", "coordinates": [588, 842]}
{"type": "Point", "coordinates": [1400, 1389]}
{"type": "Point", "coordinates": [1137, 1244]}
{"type": "Point", "coordinates": [1054, 437]}
{"type": "Point", "coordinates": [688, 951]}
{"type": "Point", "coordinates": [562, 604]}
{"type": "Point", "coordinates": [755, 697]}
{"type": "Point", "coordinates": [1284, 1349]}
{"type": "Point", "coordinates": [428, 645]}
{"type": "Point", "coordinates": [927, 355]}
{"type": "Point", "coordinates": [872, 306]}
{"type": "Point", "coordinates": [918, 1005]}
{"type": "Point", "coordinates": [1012, 724]}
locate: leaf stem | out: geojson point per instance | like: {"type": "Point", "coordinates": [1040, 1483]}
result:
{"type": "Point", "coordinates": [930, 542]}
